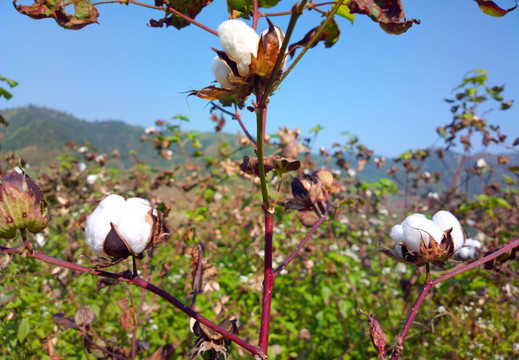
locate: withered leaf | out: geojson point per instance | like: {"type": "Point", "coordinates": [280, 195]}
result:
{"type": "Point", "coordinates": [60, 319]}
{"type": "Point", "coordinates": [126, 314]}
{"type": "Point", "coordinates": [329, 36]}
{"type": "Point", "coordinates": [189, 8]}
{"type": "Point", "coordinates": [165, 352]}
{"type": "Point", "coordinates": [490, 8]}
{"type": "Point", "coordinates": [378, 338]}
{"type": "Point", "coordinates": [387, 13]}
{"type": "Point", "coordinates": [84, 12]}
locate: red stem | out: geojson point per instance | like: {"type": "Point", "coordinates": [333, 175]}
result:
{"type": "Point", "coordinates": [255, 15]}
{"type": "Point", "coordinates": [429, 284]}
{"type": "Point", "coordinates": [268, 285]}
{"type": "Point", "coordinates": [142, 284]}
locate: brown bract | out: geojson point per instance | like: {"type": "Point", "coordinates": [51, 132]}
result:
{"type": "Point", "coordinates": [306, 193]}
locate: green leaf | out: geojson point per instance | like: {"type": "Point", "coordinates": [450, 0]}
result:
{"type": "Point", "coordinates": [23, 330]}
{"type": "Point", "coordinates": [181, 118]}
{"type": "Point", "coordinates": [326, 292]}
{"type": "Point", "coordinates": [344, 11]}
{"type": "Point", "coordinates": [6, 94]}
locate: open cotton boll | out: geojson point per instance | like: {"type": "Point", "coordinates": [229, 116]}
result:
{"type": "Point", "coordinates": [134, 224]}
{"type": "Point", "coordinates": [239, 41]}
{"type": "Point", "coordinates": [221, 73]}
{"type": "Point", "coordinates": [469, 249]}
{"type": "Point", "coordinates": [446, 220]}
{"type": "Point", "coordinates": [98, 223]}
{"type": "Point", "coordinates": [416, 228]}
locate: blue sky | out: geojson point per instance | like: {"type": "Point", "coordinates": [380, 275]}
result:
{"type": "Point", "coordinates": [386, 89]}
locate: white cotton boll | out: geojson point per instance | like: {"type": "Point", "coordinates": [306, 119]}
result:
{"type": "Point", "coordinates": [239, 41]}
{"type": "Point", "coordinates": [98, 223]}
{"type": "Point", "coordinates": [91, 179]}
{"type": "Point", "coordinates": [81, 166]}
{"type": "Point", "coordinates": [40, 239]}
{"type": "Point", "coordinates": [221, 73]}
{"type": "Point", "coordinates": [481, 163]}
{"type": "Point", "coordinates": [416, 228]}
{"type": "Point", "coordinates": [132, 225]}
{"type": "Point", "coordinates": [469, 250]}
{"type": "Point", "coordinates": [446, 220]}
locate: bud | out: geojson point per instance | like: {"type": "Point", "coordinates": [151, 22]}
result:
{"type": "Point", "coordinates": [420, 240]}
{"type": "Point", "coordinates": [21, 205]}
{"type": "Point", "coordinates": [84, 317]}
{"type": "Point", "coordinates": [119, 228]}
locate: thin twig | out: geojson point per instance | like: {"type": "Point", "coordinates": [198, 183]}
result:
{"type": "Point", "coordinates": [197, 279]}
{"type": "Point", "coordinates": [166, 9]}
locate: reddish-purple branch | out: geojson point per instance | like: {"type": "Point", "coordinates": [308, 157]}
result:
{"type": "Point", "coordinates": [429, 284]}
{"type": "Point", "coordinates": [141, 283]}
{"type": "Point", "coordinates": [268, 285]}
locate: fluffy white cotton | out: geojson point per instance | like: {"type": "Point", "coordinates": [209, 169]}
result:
{"type": "Point", "coordinates": [91, 179]}
{"type": "Point", "coordinates": [128, 215]}
{"type": "Point", "coordinates": [416, 228]}
{"type": "Point", "coordinates": [445, 220]}
{"type": "Point", "coordinates": [221, 72]}
{"type": "Point", "coordinates": [132, 225]}
{"type": "Point", "coordinates": [481, 163]}
{"type": "Point", "coordinates": [239, 41]}
{"type": "Point", "coordinates": [469, 250]}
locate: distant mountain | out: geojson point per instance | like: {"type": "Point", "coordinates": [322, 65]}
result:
{"type": "Point", "coordinates": [39, 134]}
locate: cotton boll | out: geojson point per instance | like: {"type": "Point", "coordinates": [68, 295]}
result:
{"type": "Point", "coordinates": [239, 41]}
{"type": "Point", "coordinates": [133, 225]}
{"type": "Point", "coordinates": [469, 250]}
{"type": "Point", "coordinates": [446, 220]}
{"type": "Point", "coordinates": [221, 73]}
{"type": "Point", "coordinates": [98, 223]}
